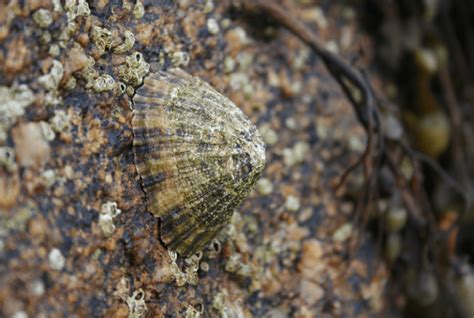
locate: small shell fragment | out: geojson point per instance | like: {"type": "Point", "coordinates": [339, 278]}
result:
{"type": "Point", "coordinates": [197, 154]}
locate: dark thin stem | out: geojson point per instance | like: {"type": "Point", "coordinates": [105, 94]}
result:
{"type": "Point", "coordinates": [358, 90]}
{"type": "Point", "coordinates": [353, 83]}
{"type": "Point", "coordinates": [345, 75]}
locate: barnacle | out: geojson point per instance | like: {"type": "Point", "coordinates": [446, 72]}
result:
{"type": "Point", "coordinates": [197, 154]}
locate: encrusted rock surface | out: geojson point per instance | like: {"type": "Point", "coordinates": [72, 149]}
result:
{"type": "Point", "coordinates": [75, 236]}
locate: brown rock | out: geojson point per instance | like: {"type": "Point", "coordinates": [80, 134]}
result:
{"type": "Point", "coordinates": [30, 145]}
{"type": "Point", "coordinates": [75, 61]}
{"type": "Point", "coordinates": [310, 292]}
{"type": "Point", "coordinates": [311, 263]}
{"type": "Point", "coordinates": [18, 57]}
{"type": "Point", "coordinates": [9, 189]}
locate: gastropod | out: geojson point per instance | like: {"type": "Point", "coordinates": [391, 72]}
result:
{"type": "Point", "coordinates": [197, 154]}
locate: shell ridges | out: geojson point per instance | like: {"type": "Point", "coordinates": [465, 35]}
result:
{"type": "Point", "coordinates": [197, 154]}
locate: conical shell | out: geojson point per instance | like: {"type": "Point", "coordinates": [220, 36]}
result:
{"type": "Point", "coordinates": [197, 154]}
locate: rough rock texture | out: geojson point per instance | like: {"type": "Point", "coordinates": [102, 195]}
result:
{"type": "Point", "coordinates": [75, 236]}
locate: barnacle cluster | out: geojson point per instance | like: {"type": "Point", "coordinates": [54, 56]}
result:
{"type": "Point", "coordinates": [102, 38]}
{"type": "Point", "coordinates": [75, 8]}
{"type": "Point", "coordinates": [60, 121]}
{"type": "Point", "coordinates": [13, 101]}
{"type": "Point", "coordinates": [136, 304]}
{"type": "Point", "coordinates": [225, 307]}
{"type": "Point", "coordinates": [108, 212]}
{"type": "Point", "coordinates": [127, 44]}
{"type": "Point", "coordinates": [7, 159]}
{"type": "Point", "coordinates": [193, 312]}
{"type": "Point", "coordinates": [187, 275]}
{"type": "Point", "coordinates": [50, 83]}
{"type": "Point", "coordinates": [103, 83]}
{"type": "Point", "coordinates": [134, 69]}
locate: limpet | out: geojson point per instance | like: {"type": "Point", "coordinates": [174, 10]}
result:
{"type": "Point", "coordinates": [197, 154]}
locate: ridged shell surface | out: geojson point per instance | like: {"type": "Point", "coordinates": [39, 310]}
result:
{"type": "Point", "coordinates": [197, 154]}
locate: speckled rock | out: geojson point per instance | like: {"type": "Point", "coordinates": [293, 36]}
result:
{"type": "Point", "coordinates": [76, 237]}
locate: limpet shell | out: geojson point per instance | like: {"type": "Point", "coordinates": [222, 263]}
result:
{"type": "Point", "coordinates": [197, 154]}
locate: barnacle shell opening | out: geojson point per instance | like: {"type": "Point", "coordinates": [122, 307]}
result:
{"type": "Point", "coordinates": [197, 154]}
